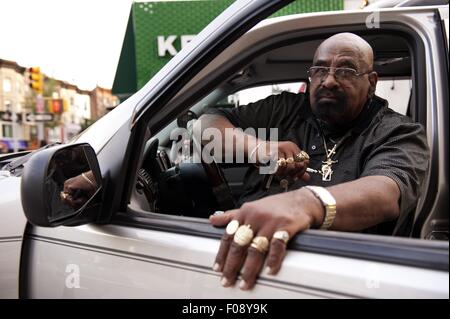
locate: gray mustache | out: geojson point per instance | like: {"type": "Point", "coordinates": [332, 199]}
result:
{"type": "Point", "coordinates": [323, 91]}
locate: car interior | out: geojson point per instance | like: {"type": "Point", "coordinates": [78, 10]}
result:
{"type": "Point", "coordinates": [275, 58]}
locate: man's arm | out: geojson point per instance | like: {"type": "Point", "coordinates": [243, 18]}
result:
{"type": "Point", "coordinates": [242, 143]}
{"type": "Point", "coordinates": [365, 202]}
{"type": "Point", "coordinates": [250, 146]}
{"type": "Point", "coordinates": [360, 204]}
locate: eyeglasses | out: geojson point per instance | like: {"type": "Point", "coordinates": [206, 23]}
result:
{"type": "Point", "coordinates": [320, 73]}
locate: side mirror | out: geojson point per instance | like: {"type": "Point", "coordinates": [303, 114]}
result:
{"type": "Point", "coordinates": [62, 185]}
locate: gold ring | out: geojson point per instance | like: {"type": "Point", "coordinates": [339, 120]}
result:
{"type": "Point", "coordinates": [281, 162]}
{"type": "Point", "coordinates": [289, 160]}
{"type": "Point", "coordinates": [63, 195]}
{"type": "Point", "coordinates": [299, 158]}
{"type": "Point", "coordinates": [302, 156]}
{"type": "Point", "coordinates": [305, 155]}
{"type": "Point", "coordinates": [260, 243]}
{"type": "Point", "coordinates": [281, 235]}
{"type": "Point", "coordinates": [232, 227]}
{"type": "Point", "coordinates": [243, 235]}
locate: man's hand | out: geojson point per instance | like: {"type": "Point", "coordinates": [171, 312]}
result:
{"type": "Point", "coordinates": [78, 190]}
{"type": "Point", "coordinates": [291, 212]}
{"type": "Point", "coordinates": [361, 204]}
{"type": "Point", "coordinates": [287, 151]}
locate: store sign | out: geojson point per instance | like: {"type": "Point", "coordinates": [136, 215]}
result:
{"type": "Point", "coordinates": [168, 45]}
{"type": "Point", "coordinates": [158, 30]}
{"type": "Point", "coordinates": [39, 117]}
{"type": "Point", "coordinates": [163, 28]}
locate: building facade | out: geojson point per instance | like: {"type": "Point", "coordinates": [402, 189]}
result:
{"type": "Point", "coordinates": [29, 119]}
{"type": "Point", "coordinates": [102, 101]}
{"type": "Point", "coordinates": [13, 91]}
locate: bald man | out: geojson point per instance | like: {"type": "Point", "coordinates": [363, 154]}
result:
{"type": "Point", "coordinates": [362, 170]}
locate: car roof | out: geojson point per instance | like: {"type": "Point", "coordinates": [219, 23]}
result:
{"type": "Point", "coordinates": [404, 3]}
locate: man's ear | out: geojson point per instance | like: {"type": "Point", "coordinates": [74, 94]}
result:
{"type": "Point", "coordinates": [373, 79]}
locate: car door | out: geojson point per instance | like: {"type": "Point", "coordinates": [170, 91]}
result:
{"type": "Point", "coordinates": [141, 254]}
{"type": "Point", "coordinates": [12, 228]}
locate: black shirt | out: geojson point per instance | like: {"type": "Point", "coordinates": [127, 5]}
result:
{"type": "Point", "coordinates": [379, 142]}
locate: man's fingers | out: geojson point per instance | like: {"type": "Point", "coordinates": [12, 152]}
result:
{"type": "Point", "coordinates": [275, 257]}
{"type": "Point", "coordinates": [256, 254]}
{"type": "Point", "coordinates": [252, 267]}
{"type": "Point", "coordinates": [306, 177]}
{"type": "Point", "coordinates": [295, 169]}
{"type": "Point", "coordinates": [222, 253]}
{"type": "Point", "coordinates": [67, 188]}
{"type": "Point", "coordinates": [301, 169]}
{"type": "Point", "coordinates": [281, 163]}
{"type": "Point", "coordinates": [233, 264]}
{"type": "Point", "coordinates": [223, 219]}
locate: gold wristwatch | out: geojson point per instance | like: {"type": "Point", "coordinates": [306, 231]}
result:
{"type": "Point", "coordinates": [328, 202]}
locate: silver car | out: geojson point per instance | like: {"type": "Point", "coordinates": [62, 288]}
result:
{"type": "Point", "coordinates": [144, 232]}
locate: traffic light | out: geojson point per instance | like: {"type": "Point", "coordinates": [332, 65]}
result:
{"type": "Point", "coordinates": [36, 80]}
{"type": "Point", "coordinates": [57, 106]}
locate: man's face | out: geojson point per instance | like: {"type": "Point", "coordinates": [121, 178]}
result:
{"type": "Point", "coordinates": [338, 101]}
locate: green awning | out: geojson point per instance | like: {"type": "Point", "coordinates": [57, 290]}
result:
{"type": "Point", "coordinates": [157, 30]}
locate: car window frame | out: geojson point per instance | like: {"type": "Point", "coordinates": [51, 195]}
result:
{"type": "Point", "coordinates": [160, 222]}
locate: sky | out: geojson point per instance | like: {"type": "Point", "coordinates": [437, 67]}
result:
{"type": "Point", "coordinates": [78, 41]}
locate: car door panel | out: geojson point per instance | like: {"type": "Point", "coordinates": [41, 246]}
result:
{"type": "Point", "coordinates": [115, 261]}
{"type": "Point", "coordinates": [12, 228]}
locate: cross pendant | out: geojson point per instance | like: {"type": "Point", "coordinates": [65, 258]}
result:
{"type": "Point", "coordinates": [326, 172]}
{"type": "Point", "coordinates": [331, 152]}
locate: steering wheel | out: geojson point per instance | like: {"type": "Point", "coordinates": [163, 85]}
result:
{"type": "Point", "coordinates": [192, 189]}
{"type": "Point", "coordinates": [216, 177]}
{"type": "Point", "coordinates": [217, 180]}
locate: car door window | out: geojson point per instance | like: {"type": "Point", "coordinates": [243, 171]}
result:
{"type": "Point", "coordinates": [397, 92]}
{"type": "Point", "coordinates": [230, 83]}
{"type": "Point", "coordinates": [254, 94]}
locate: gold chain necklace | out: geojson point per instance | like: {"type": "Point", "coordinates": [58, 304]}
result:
{"type": "Point", "coordinates": [326, 169]}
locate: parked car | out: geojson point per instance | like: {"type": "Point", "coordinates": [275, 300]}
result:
{"type": "Point", "coordinates": [144, 232]}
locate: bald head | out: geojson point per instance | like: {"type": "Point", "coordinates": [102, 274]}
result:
{"type": "Point", "coordinates": [348, 42]}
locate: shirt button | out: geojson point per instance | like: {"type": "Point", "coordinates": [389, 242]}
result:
{"type": "Point", "coordinates": [313, 147]}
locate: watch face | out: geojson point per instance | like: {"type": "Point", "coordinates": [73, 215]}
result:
{"type": "Point", "coordinates": [323, 194]}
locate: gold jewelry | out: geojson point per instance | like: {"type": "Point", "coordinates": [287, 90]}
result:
{"type": "Point", "coordinates": [281, 235]}
{"type": "Point", "coordinates": [301, 157]}
{"type": "Point", "coordinates": [88, 180]}
{"type": "Point", "coordinates": [326, 170]}
{"type": "Point", "coordinates": [63, 195]}
{"type": "Point", "coordinates": [261, 244]}
{"type": "Point", "coordinates": [281, 162]}
{"type": "Point", "coordinates": [305, 155]}
{"type": "Point", "coordinates": [232, 227]}
{"type": "Point", "coordinates": [328, 202]}
{"type": "Point", "coordinates": [289, 160]}
{"type": "Point", "coordinates": [243, 235]}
